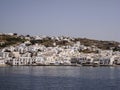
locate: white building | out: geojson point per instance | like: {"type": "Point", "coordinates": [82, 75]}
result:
{"type": "Point", "coordinates": [2, 62]}
{"type": "Point", "coordinates": [39, 60]}
{"type": "Point", "coordinates": [22, 61]}
{"type": "Point", "coordinates": [4, 54]}
{"type": "Point", "coordinates": [106, 60]}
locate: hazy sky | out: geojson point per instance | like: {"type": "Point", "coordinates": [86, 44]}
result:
{"type": "Point", "coordinates": [97, 19]}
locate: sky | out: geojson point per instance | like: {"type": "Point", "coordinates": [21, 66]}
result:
{"type": "Point", "coordinates": [95, 19]}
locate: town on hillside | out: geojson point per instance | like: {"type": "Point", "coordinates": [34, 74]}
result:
{"type": "Point", "coordinates": [20, 50]}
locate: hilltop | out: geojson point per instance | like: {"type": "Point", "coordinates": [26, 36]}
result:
{"type": "Point", "coordinates": [15, 39]}
{"type": "Point", "coordinates": [8, 40]}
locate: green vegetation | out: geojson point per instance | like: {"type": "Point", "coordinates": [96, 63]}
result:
{"type": "Point", "coordinates": [105, 45]}
{"type": "Point", "coordinates": [7, 40]}
{"type": "Point", "coordinates": [48, 42]}
{"type": "Point", "coordinates": [45, 41]}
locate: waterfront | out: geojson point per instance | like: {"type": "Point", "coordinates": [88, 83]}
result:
{"type": "Point", "coordinates": [59, 78]}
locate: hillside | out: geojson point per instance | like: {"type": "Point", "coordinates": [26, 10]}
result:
{"type": "Point", "coordinates": [7, 40]}
{"type": "Point", "coordinates": [105, 45]}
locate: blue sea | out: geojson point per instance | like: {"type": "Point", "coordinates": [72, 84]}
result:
{"type": "Point", "coordinates": [59, 78]}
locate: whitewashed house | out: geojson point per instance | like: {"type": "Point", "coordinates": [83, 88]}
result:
{"type": "Point", "coordinates": [2, 62]}
{"type": "Point", "coordinates": [39, 60]}
{"type": "Point", "coordinates": [22, 61]}
{"type": "Point", "coordinates": [106, 60]}
{"type": "Point", "coordinates": [4, 54]}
